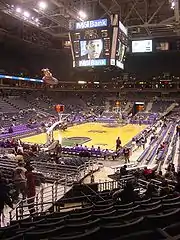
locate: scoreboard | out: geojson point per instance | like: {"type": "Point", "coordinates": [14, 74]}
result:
{"type": "Point", "coordinates": [101, 42]}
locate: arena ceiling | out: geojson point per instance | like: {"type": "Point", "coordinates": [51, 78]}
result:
{"type": "Point", "coordinates": [144, 18]}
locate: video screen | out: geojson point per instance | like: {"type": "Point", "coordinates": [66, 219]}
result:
{"type": "Point", "coordinates": [91, 49]}
{"type": "Point", "coordinates": [162, 46]}
{"type": "Point", "coordinates": [121, 51]}
{"type": "Point", "coordinates": [142, 46]}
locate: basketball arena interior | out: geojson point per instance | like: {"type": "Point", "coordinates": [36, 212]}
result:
{"type": "Point", "coordinates": [89, 119]}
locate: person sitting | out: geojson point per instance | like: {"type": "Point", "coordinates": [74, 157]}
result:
{"type": "Point", "coordinates": [151, 191]}
{"type": "Point", "coordinates": [123, 170]}
{"type": "Point", "coordinates": [127, 194]}
{"type": "Point", "coordinates": [147, 173]}
{"type": "Point", "coordinates": [165, 190]}
{"type": "Point", "coordinates": [159, 176]}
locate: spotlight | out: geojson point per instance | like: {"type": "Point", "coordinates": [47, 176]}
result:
{"type": "Point", "coordinates": [82, 15]}
{"type": "Point", "coordinates": [26, 14]}
{"type": "Point", "coordinates": [42, 5]}
{"type": "Point", "coordinates": [18, 10]}
{"type": "Point", "coordinates": [37, 20]}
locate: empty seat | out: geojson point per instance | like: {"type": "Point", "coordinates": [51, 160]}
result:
{"type": "Point", "coordinates": [123, 206]}
{"type": "Point", "coordinates": [163, 220]}
{"type": "Point", "coordinates": [147, 211]}
{"type": "Point", "coordinates": [171, 200]}
{"type": "Point", "coordinates": [144, 235]}
{"type": "Point", "coordinates": [89, 235]}
{"type": "Point", "coordinates": [17, 237]}
{"type": "Point", "coordinates": [149, 205]}
{"type": "Point", "coordinates": [173, 229]}
{"type": "Point", "coordinates": [36, 235]}
{"type": "Point", "coordinates": [171, 205]}
{"type": "Point", "coordinates": [116, 218]}
{"type": "Point", "coordinates": [110, 231]}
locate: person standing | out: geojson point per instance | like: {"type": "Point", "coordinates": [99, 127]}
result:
{"type": "Point", "coordinates": [31, 189]}
{"type": "Point", "coordinates": [126, 153]}
{"type": "Point", "coordinates": [4, 197]}
{"type": "Point", "coordinates": [20, 180]}
{"type": "Point", "coordinates": [118, 144]}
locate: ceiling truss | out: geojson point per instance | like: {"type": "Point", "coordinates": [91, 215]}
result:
{"type": "Point", "coordinates": [143, 18]}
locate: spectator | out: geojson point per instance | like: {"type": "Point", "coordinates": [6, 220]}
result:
{"type": "Point", "coordinates": [123, 170]}
{"type": "Point", "coordinates": [165, 190]}
{"type": "Point", "coordinates": [127, 194]}
{"type": "Point", "coordinates": [92, 178]}
{"type": "Point", "coordinates": [4, 196]}
{"type": "Point", "coordinates": [20, 180]}
{"type": "Point", "coordinates": [118, 144]}
{"type": "Point", "coordinates": [126, 153]}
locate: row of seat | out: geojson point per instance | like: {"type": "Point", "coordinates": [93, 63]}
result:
{"type": "Point", "coordinates": [102, 220]}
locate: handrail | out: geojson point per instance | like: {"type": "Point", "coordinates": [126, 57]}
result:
{"type": "Point", "coordinates": [48, 196]}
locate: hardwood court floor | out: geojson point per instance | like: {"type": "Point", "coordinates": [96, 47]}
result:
{"type": "Point", "coordinates": [96, 134]}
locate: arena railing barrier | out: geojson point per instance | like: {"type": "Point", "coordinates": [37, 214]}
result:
{"type": "Point", "coordinates": [44, 199]}
{"type": "Point", "coordinates": [49, 195]}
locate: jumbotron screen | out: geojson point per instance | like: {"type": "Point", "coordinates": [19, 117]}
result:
{"type": "Point", "coordinates": [98, 43]}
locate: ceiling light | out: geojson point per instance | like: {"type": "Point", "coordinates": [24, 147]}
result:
{"type": "Point", "coordinates": [26, 14]}
{"type": "Point", "coordinates": [82, 15]}
{"type": "Point", "coordinates": [18, 10]}
{"type": "Point", "coordinates": [42, 5]}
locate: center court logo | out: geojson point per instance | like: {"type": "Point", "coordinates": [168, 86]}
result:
{"type": "Point", "coordinates": [97, 131]}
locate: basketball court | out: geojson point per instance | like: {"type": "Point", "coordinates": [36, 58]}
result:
{"type": "Point", "coordinates": [96, 134]}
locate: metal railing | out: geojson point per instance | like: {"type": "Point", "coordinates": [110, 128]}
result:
{"type": "Point", "coordinates": [42, 201]}
{"type": "Point", "coordinates": [49, 194]}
